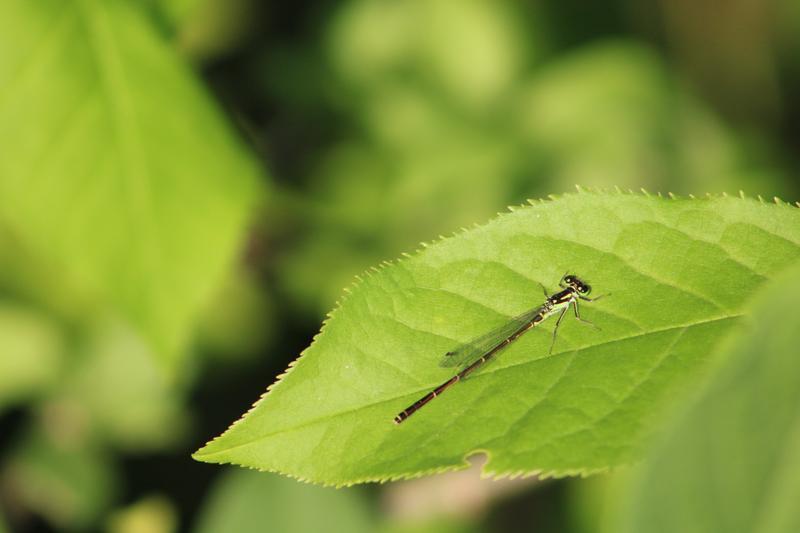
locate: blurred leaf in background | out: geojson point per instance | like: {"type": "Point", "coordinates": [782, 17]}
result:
{"type": "Point", "coordinates": [246, 501]}
{"type": "Point", "coordinates": [105, 179]}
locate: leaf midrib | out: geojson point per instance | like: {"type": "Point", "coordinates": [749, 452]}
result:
{"type": "Point", "coordinates": [489, 371]}
{"type": "Point", "coordinates": [135, 175]}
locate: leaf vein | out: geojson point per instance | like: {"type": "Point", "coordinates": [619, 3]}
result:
{"type": "Point", "coordinates": [484, 374]}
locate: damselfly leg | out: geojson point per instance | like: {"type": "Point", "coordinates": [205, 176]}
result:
{"type": "Point", "coordinates": [555, 329]}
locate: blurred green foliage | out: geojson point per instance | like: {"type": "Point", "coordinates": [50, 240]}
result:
{"type": "Point", "coordinates": [56, 470]}
{"type": "Point", "coordinates": [246, 501]}
{"type": "Point", "coordinates": [138, 316]}
{"type": "Point", "coordinates": [121, 393]}
{"type": "Point", "coordinates": [33, 348]}
{"type": "Point", "coordinates": [730, 463]}
{"type": "Point", "coordinates": [443, 135]}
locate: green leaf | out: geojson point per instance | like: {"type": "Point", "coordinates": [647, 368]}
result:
{"type": "Point", "coordinates": [244, 501]}
{"type": "Point", "coordinates": [118, 173]}
{"type": "Point", "coordinates": [730, 462]}
{"type": "Point", "coordinates": [679, 273]}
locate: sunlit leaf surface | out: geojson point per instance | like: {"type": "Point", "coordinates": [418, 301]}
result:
{"type": "Point", "coordinates": [679, 272]}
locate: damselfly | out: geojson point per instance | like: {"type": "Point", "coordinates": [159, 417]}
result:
{"type": "Point", "coordinates": [483, 348]}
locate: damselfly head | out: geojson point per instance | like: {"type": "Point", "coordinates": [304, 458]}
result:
{"type": "Point", "coordinates": [577, 284]}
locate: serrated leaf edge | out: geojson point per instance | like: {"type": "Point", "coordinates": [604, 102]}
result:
{"type": "Point", "coordinates": [359, 279]}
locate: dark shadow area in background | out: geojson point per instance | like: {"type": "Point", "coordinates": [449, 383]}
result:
{"type": "Point", "coordinates": [543, 508]}
{"type": "Point", "coordinates": [275, 91]}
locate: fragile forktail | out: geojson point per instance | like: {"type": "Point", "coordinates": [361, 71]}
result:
{"type": "Point", "coordinates": [488, 345]}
